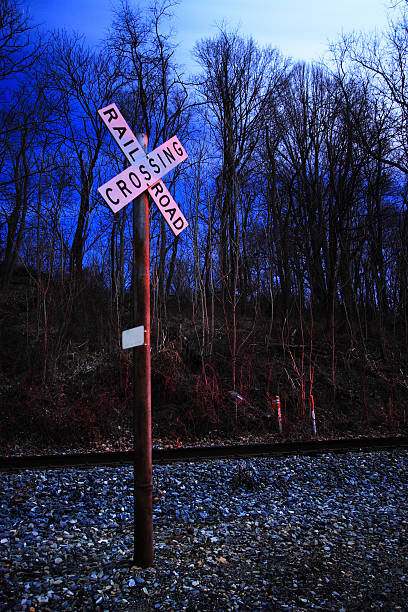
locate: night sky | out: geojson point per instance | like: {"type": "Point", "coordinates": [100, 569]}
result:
{"type": "Point", "coordinates": [301, 29]}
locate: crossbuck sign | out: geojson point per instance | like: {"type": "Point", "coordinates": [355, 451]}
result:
{"type": "Point", "coordinates": [145, 171]}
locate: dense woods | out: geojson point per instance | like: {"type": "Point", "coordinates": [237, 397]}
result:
{"type": "Point", "coordinates": [292, 278]}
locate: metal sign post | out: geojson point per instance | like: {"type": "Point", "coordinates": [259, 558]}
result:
{"type": "Point", "coordinates": [144, 174]}
{"type": "Point", "coordinates": [142, 441]}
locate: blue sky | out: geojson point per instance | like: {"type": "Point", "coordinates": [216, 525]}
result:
{"type": "Point", "coordinates": [299, 28]}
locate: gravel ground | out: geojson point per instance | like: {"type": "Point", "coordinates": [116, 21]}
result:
{"type": "Point", "coordinates": [298, 533]}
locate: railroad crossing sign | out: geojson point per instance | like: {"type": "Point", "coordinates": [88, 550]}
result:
{"type": "Point", "coordinates": [145, 171]}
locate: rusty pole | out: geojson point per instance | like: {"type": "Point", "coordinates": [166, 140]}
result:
{"type": "Point", "coordinates": [142, 496]}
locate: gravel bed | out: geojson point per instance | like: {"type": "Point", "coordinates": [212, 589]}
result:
{"type": "Point", "coordinates": [300, 533]}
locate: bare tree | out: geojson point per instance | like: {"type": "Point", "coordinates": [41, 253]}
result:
{"type": "Point", "coordinates": [376, 66]}
{"type": "Point", "coordinates": [18, 51]}
{"type": "Point", "coordinates": [155, 100]}
{"type": "Point", "coordinates": [237, 85]}
{"type": "Point", "coordinates": [23, 150]}
{"type": "Point", "coordinates": [380, 62]}
{"type": "Point", "coordinates": [78, 83]}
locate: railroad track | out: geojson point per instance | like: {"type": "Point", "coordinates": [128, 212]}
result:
{"type": "Point", "coordinates": [200, 453]}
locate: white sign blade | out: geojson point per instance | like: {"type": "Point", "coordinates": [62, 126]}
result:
{"type": "Point", "coordinates": [133, 337]}
{"type": "Point", "coordinates": [117, 126]}
{"type": "Point", "coordinates": [168, 208]}
{"type": "Point", "coordinates": [130, 183]}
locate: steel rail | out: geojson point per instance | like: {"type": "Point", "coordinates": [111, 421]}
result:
{"type": "Point", "coordinates": [202, 453]}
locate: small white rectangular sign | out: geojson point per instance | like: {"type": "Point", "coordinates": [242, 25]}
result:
{"type": "Point", "coordinates": [133, 337]}
{"type": "Point", "coordinates": [168, 208]}
{"type": "Point", "coordinates": [147, 170]}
